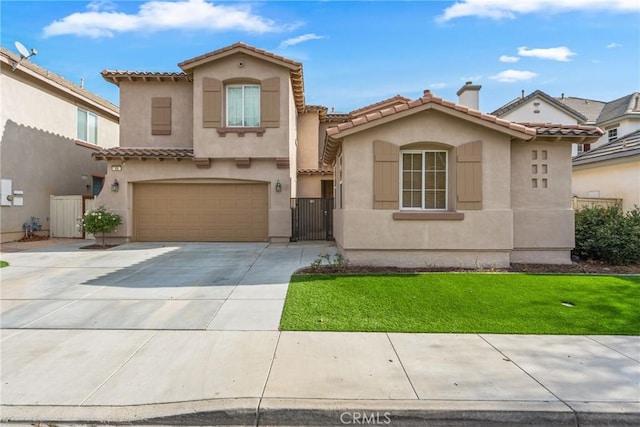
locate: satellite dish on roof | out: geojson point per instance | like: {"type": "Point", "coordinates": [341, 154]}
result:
{"type": "Point", "coordinates": [24, 53]}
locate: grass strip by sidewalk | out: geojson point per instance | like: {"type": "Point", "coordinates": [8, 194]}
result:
{"type": "Point", "coordinates": [4, 264]}
{"type": "Point", "coordinates": [464, 303]}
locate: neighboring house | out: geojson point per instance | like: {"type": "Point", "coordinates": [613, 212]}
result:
{"type": "Point", "coordinates": [541, 108]}
{"type": "Point", "coordinates": [611, 170]}
{"type": "Point", "coordinates": [434, 183]}
{"type": "Point", "coordinates": [216, 151]}
{"type": "Point", "coordinates": [619, 117]}
{"type": "Point", "coordinates": [50, 127]}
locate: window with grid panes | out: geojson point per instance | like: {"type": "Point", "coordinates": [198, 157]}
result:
{"type": "Point", "coordinates": [423, 180]}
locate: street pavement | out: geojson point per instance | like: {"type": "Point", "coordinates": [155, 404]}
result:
{"type": "Point", "coordinates": [187, 334]}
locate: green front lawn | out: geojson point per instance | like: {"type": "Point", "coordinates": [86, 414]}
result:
{"type": "Point", "coordinates": [465, 303]}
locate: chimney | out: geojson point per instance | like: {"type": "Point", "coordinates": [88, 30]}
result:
{"type": "Point", "coordinates": [469, 95]}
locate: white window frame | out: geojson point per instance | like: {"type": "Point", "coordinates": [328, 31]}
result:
{"type": "Point", "coordinates": [243, 86]}
{"type": "Point", "coordinates": [86, 137]}
{"type": "Point", "coordinates": [612, 134]}
{"type": "Point", "coordinates": [422, 190]}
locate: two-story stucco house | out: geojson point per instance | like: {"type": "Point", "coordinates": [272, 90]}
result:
{"type": "Point", "coordinates": [208, 153]}
{"type": "Point", "coordinates": [49, 129]}
{"type": "Point", "coordinates": [216, 151]}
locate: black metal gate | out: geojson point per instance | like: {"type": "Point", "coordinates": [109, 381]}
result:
{"type": "Point", "coordinates": [312, 219]}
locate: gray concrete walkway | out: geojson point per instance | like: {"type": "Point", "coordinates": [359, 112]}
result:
{"type": "Point", "coordinates": [130, 336]}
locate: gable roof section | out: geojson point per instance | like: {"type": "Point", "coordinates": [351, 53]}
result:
{"type": "Point", "coordinates": [295, 68]}
{"type": "Point", "coordinates": [513, 105]}
{"type": "Point", "coordinates": [624, 146]}
{"type": "Point", "coordinates": [428, 101]}
{"type": "Point", "coordinates": [629, 104]}
{"type": "Point", "coordinates": [587, 107]}
{"type": "Point", "coordinates": [58, 82]}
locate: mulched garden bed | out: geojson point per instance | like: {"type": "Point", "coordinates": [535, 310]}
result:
{"type": "Point", "coordinates": [94, 246]}
{"type": "Point", "coordinates": [582, 267]}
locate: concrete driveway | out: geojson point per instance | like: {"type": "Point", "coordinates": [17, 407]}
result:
{"type": "Point", "coordinates": [152, 286]}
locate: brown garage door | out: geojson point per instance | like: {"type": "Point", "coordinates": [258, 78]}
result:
{"type": "Point", "coordinates": [200, 212]}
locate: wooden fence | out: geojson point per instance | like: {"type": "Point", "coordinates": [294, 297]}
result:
{"type": "Point", "coordinates": [582, 202]}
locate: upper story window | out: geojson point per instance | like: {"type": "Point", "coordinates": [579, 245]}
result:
{"type": "Point", "coordinates": [87, 126]}
{"type": "Point", "coordinates": [612, 134]}
{"type": "Point", "coordinates": [423, 179]}
{"type": "Point", "coordinates": [243, 105]}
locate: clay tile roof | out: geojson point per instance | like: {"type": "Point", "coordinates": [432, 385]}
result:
{"type": "Point", "coordinates": [116, 76]}
{"type": "Point", "coordinates": [398, 99]}
{"type": "Point", "coordinates": [336, 117]}
{"type": "Point", "coordinates": [310, 171]}
{"type": "Point", "coordinates": [531, 129]}
{"type": "Point", "coordinates": [554, 129]}
{"type": "Point", "coordinates": [143, 153]}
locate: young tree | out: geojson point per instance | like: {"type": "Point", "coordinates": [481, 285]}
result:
{"type": "Point", "coordinates": [100, 221]}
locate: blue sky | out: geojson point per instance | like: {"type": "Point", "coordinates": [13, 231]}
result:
{"type": "Point", "coordinates": [353, 53]}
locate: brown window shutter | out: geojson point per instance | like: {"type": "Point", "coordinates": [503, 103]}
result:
{"type": "Point", "coordinates": [385, 175]}
{"type": "Point", "coordinates": [211, 103]}
{"type": "Point", "coordinates": [469, 176]}
{"type": "Point", "coordinates": [160, 116]}
{"type": "Point", "coordinates": [270, 103]}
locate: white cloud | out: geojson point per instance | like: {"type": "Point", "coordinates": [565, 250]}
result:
{"type": "Point", "coordinates": [510, 76]}
{"type": "Point", "coordinates": [103, 21]}
{"type": "Point", "coordinates": [437, 85]}
{"type": "Point", "coordinates": [561, 53]}
{"type": "Point", "coordinates": [509, 9]}
{"type": "Point", "coordinates": [505, 58]}
{"type": "Point", "coordinates": [300, 39]}
{"type": "Point", "coordinates": [613, 45]}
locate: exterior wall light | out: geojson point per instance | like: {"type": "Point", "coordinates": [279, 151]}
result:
{"type": "Point", "coordinates": [115, 187]}
{"type": "Point", "coordinates": [278, 186]}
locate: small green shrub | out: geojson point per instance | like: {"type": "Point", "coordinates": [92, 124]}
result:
{"type": "Point", "coordinates": [100, 221]}
{"type": "Point", "coordinates": [608, 234]}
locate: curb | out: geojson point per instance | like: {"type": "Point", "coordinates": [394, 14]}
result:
{"type": "Point", "coordinates": [316, 412]}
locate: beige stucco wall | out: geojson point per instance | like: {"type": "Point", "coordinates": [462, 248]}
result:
{"type": "Point", "coordinates": [41, 164]}
{"type": "Point", "coordinates": [135, 110]}
{"type": "Point", "coordinates": [274, 143]}
{"type": "Point", "coordinates": [359, 229]}
{"type": "Point", "coordinates": [614, 178]}
{"type": "Point", "coordinates": [221, 171]}
{"type": "Point", "coordinates": [543, 218]}
{"type": "Point", "coordinates": [57, 110]}
{"type": "Point", "coordinates": [308, 128]}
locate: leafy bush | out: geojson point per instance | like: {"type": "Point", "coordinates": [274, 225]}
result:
{"type": "Point", "coordinates": [100, 221]}
{"type": "Point", "coordinates": [608, 234]}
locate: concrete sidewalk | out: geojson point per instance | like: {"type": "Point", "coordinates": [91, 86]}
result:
{"type": "Point", "coordinates": [301, 378]}
{"type": "Point", "coordinates": [95, 337]}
